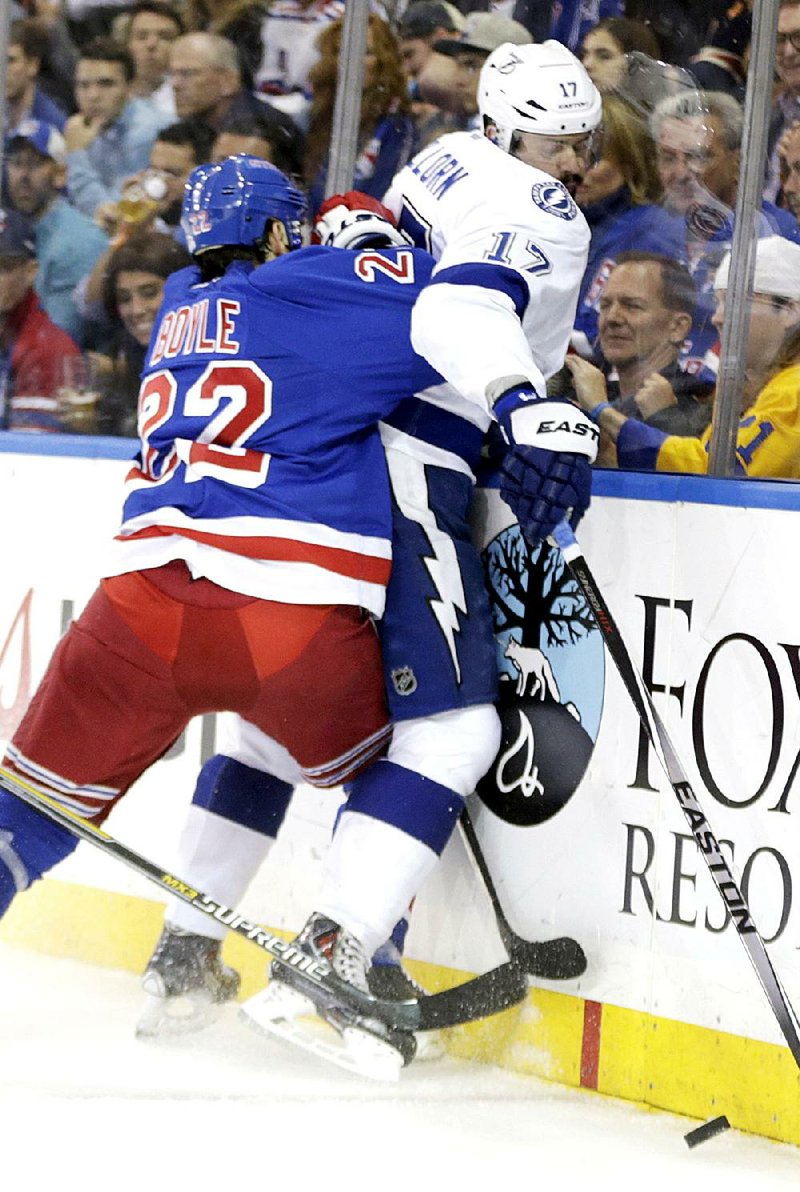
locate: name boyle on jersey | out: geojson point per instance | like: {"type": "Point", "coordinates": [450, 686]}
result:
{"type": "Point", "coordinates": [185, 331]}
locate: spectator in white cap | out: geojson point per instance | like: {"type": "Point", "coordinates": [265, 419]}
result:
{"type": "Point", "coordinates": [68, 243]}
{"type": "Point", "coordinates": [768, 439]}
{"type": "Point", "coordinates": [32, 348]}
{"type": "Point", "coordinates": [449, 79]}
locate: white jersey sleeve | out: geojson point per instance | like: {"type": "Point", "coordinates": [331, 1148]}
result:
{"type": "Point", "coordinates": [511, 249]}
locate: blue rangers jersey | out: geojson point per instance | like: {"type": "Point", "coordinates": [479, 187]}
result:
{"type": "Point", "coordinates": [261, 465]}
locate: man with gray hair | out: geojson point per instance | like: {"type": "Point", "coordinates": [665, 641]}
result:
{"type": "Point", "coordinates": [207, 82]}
{"type": "Point", "coordinates": [698, 138]}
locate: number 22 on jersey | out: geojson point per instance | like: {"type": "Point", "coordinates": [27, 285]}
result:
{"type": "Point", "coordinates": [217, 450]}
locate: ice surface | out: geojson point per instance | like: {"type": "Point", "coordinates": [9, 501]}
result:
{"type": "Point", "coordinates": [84, 1104]}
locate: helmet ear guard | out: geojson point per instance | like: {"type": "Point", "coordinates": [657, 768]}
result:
{"type": "Point", "coordinates": [540, 88]}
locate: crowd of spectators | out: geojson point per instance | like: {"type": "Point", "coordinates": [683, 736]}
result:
{"type": "Point", "coordinates": [110, 106]}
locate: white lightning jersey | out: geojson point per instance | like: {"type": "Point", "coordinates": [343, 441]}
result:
{"type": "Point", "coordinates": [511, 249]}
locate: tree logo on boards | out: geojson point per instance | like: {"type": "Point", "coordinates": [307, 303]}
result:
{"type": "Point", "coordinates": [551, 662]}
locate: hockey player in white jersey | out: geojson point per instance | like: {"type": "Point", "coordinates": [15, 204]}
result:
{"type": "Point", "coordinates": [497, 212]}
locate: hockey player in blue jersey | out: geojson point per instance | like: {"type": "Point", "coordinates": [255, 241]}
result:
{"type": "Point", "coordinates": [441, 679]}
{"type": "Point", "coordinates": [255, 543]}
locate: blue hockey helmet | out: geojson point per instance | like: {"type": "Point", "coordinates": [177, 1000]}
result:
{"type": "Point", "coordinates": [231, 202]}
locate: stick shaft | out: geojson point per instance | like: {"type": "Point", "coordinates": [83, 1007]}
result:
{"type": "Point", "coordinates": [479, 997]}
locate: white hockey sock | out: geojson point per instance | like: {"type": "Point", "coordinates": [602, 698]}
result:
{"type": "Point", "coordinates": [372, 872]}
{"type": "Point", "coordinates": [219, 857]}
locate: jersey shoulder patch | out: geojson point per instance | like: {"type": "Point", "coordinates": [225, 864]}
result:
{"type": "Point", "coordinates": [553, 198]}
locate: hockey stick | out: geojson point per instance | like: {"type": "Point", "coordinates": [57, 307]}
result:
{"type": "Point", "coordinates": [479, 997]}
{"type": "Point", "coordinates": [556, 960]}
{"type": "Point", "coordinates": [724, 880]}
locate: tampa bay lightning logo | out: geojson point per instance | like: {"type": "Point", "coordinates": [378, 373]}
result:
{"type": "Point", "coordinates": [555, 199]}
{"type": "Point", "coordinates": [705, 221]}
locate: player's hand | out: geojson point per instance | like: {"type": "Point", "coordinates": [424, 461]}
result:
{"type": "Point", "coordinates": [341, 217]}
{"type": "Point", "coordinates": [543, 487]}
{"type": "Point", "coordinates": [547, 474]}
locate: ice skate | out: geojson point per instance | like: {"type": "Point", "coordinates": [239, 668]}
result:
{"type": "Point", "coordinates": [318, 1020]}
{"type": "Point", "coordinates": [186, 984]}
{"type": "Point", "coordinates": [389, 980]}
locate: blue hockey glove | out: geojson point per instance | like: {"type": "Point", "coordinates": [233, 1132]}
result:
{"type": "Point", "coordinates": [547, 473]}
{"type": "Point", "coordinates": [543, 487]}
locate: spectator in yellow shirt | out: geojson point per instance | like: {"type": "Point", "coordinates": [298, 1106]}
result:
{"type": "Point", "coordinates": [768, 440]}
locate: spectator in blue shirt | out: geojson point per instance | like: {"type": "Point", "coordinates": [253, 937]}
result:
{"type": "Point", "coordinates": [111, 135]}
{"type": "Point", "coordinates": [67, 242]}
{"type": "Point", "coordinates": [25, 99]}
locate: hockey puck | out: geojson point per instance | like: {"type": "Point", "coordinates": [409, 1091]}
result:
{"type": "Point", "coordinates": [706, 1131]}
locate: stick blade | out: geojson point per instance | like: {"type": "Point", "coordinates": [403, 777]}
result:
{"type": "Point", "coordinates": [488, 994]}
{"type": "Point", "coordinates": [562, 959]}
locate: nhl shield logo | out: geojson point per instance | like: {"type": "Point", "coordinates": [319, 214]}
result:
{"type": "Point", "coordinates": [404, 680]}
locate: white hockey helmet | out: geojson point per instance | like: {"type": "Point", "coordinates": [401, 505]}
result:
{"type": "Point", "coordinates": [540, 88]}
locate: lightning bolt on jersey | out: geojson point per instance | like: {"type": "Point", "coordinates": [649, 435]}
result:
{"type": "Point", "coordinates": [261, 465]}
{"type": "Point", "coordinates": [511, 249]}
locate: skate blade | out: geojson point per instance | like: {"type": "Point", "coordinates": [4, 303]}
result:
{"type": "Point", "coordinates": [430, 1047]}
{"type": "Point", "coordinates": [166, 1017]}
{"type": "Point", "coordinates": [291, 1017]}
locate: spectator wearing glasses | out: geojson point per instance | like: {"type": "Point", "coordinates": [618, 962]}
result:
{"type": "Point", "coordinates": [209, 86]}
{"type": "Point", "coordinates": [111, 135]}
{"type": "Point", "coordinates": [786, 105]}
{"type": "Point", "coordinates": [698, 137]}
